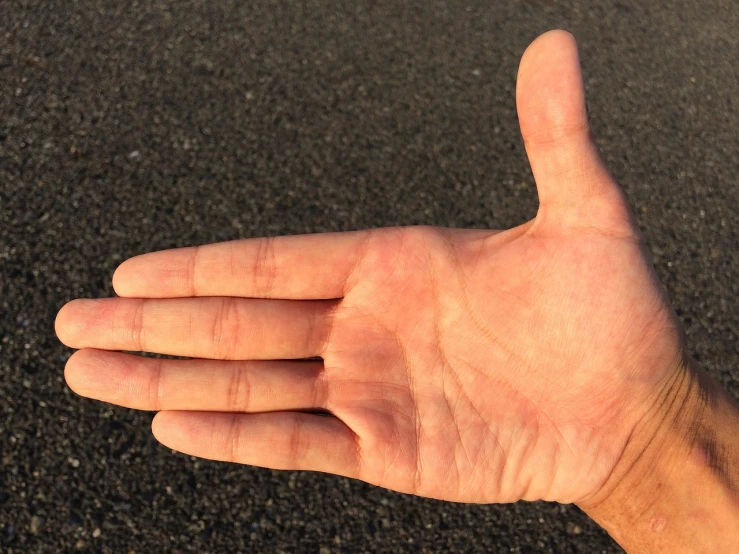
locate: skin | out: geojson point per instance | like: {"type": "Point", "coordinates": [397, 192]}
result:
{"type": "Point", "coordinates": [463, 365]}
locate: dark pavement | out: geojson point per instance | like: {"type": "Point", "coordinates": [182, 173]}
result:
{"type": "Point", "coordinates": [127, 127]}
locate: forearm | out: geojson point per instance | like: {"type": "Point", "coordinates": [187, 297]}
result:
{"type": "Point", "coordinates": [676, 488]}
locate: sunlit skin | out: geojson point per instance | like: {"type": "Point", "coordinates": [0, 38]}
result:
{"type": "Point", "coordinates": [465, 365]}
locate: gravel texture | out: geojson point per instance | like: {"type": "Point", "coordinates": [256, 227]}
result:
{"type": "Point", "coordinates": [127, 127]}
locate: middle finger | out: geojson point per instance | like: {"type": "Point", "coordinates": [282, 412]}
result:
{"type": "Point", "coordinates": [220, 328]}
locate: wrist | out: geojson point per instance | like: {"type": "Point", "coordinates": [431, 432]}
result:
{"type": "Point", "coordinates": [676, 487]}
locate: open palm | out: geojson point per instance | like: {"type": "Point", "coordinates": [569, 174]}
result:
{"type": "Point", "coordinates": [466, 365]}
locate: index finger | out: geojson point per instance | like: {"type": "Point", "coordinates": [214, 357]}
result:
{"type": "Point", "coordinates": [298, 267]}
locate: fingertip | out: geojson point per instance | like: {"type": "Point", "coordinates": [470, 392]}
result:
{"type": "Point", "coordinates": [556, 38]}
{"type": "Point", "coordinates": [157, 425]}
{"type": "Point", "coordinates": [557, 34]}
{"type": "Point", "coordinates": [67, 322]}
{"type": "Point", "coordinates": [71, 372]}
{"type": "Point", "coordinates": [163, 427]}
{"type": "Point", "coordinates": [60, 321]}
{"type": "Point", "coordinates": [122, 282]}
{"type": "Point", "coordinates": [550, 94]}
{"type": "Point", "coordinates": [148, 275]}
{"type": "Point", "coordinates": [81, 370]}
{"type": "Point", "coordinates": [173, 428]}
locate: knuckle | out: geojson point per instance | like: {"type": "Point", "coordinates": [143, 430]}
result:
{"type": "Point", "coordinates": [232, 440]}
{"type": "Point", "coordinates": [325, 326]}
{"type": "Point", "coordinates": [320, 389]}
{"type": "Point", "coordinates": [155, 386]}
{"type": "Point", "coordinates": [297, 445]}
{"type": "Point", "coordinates": [315, 335]}
{"type": "Point", "coordinates": [225, 333]}
{"type": "Point", "coordinates": [136, 325]}
{"type": "Point", "coordinates": [238, 391]}
{"type": "Point", "coordinates": [264, 271]}
{"type": "Point", "coordinates": [192, 269]}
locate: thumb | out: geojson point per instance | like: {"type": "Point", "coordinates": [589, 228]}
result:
{"type": "Point", "coordinates": [575, 188]}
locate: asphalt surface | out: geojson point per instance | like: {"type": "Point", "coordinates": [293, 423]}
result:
{"type": "Point", "coordinates": [127, 127]}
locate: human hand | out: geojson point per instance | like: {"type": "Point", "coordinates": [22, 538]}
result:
{"type": "Point", "coordinates": [465, 365]}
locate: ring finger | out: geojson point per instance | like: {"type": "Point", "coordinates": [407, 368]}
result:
{"type": "Point", "coordinates": [197, 385]}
